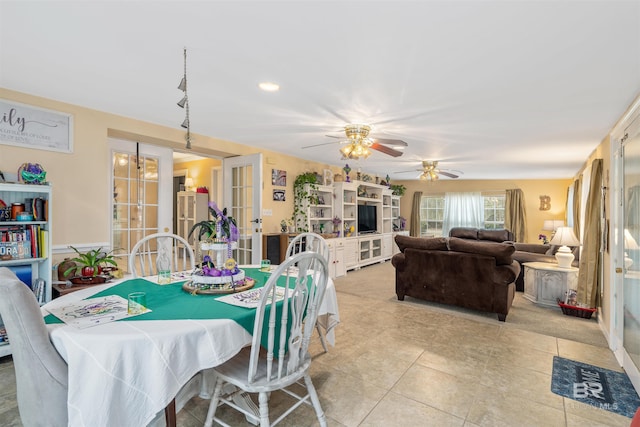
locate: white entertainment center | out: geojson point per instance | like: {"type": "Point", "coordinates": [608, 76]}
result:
{"type": "Point", "coordinates": [350, 251]}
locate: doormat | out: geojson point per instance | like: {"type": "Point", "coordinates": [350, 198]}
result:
{"type": "Point", "coordinates": [591, 385]}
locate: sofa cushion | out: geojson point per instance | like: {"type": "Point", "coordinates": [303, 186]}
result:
{"type": "Point", "coordinates": [495, 235]}
{"type": "Point", "coordinates": [464, 233]}
{"type": "Point", "coordinates": [436, 244]}
{"type": "Point", "coordinates": [502, 252]}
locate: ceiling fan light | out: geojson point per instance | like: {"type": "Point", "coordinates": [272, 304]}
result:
{"type": "Point", "coordinates": [346, 150]}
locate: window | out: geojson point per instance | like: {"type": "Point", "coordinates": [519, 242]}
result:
{"type": "Point", "coordinates": [432, 213]}
{"type": "Point", "coordinates": [431, 216]}
{"type": "Point", "coordinates": [493, 211]}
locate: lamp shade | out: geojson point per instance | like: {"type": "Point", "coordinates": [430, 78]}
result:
{"type": "Point", "coordinates": [629, 241]}
{"type": "Point", "coordinates": [564, 237]}
{"type": "Point", "coordinates": [552, 224]}
{"type": "Point", "coordinates": [188, 183]}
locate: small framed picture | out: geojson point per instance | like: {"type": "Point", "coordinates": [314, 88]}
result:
{"type": "Point", "coordinates": [328, 177]}
{"type": "Point", "coordinates": [278, 177]}
{"type": "Point", "coordinates": [279, 195]}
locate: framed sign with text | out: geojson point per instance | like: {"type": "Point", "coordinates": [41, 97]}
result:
{"type": "Point", "coordinates": [33, 127]}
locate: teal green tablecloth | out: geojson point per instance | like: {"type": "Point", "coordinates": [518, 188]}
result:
{"type": "Point", "coordinates": [170, 302]}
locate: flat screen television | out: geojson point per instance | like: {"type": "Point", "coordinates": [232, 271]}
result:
{"type": "Point", "coordinates": [367, 219]}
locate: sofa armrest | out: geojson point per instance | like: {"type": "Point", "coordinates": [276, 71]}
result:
{"type": "Point", "coordinates": [399, 261]}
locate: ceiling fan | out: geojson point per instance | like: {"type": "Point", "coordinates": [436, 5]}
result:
{"type": "Point", "coordinates": [358, 143]}
{"type": "Point", "coordinates": [430, 171]}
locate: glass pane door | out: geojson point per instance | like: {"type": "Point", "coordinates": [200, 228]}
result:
{"type": "Point", "coordinates": [631, 287]}
{"type": "Point", "coordinates": [139, 205]}
{"type": "Point", "coordinates": [243, 198]}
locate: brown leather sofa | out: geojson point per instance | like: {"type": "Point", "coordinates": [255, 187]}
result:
{"type": "Point", "coordinates": [499, 236]}
{"type": "Point", "coordinates": [525, 252]}
{"type": "Point", "coordinates": [460, 272]}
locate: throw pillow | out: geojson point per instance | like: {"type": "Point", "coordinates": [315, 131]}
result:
{"type": "Point", "coordinates": [494, 235]}
{"type": "Point", "coordinates": [464, 233]}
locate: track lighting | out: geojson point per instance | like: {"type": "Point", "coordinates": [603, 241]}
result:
{"type": "Point", "coordinates": [184, 102]}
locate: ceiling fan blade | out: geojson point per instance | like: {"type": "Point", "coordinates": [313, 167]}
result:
{"type": "Point", "coordinates": [417, 170]}
{"type": "Point", "coordinates": [450, 175]}
{"type": "Point", "coordinates": [396, 142]}
{"type": "Point", "coordinates": [318, 145]}
{"type": "Point", "coordinates": [333, 113]}
{"type": "Point", "coordinates": [333, 136]}
{"type": "Point", "coordinates": [386, 150]}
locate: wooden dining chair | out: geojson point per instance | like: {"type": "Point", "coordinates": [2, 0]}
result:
{"type": "Point", "coordinates": [142, 260]}
{"type": "Point", "coordinates": [316, 243]}
{"type": "Point", "coordinates": [41, 373]}
{"type": "Point", "coordinates": [282, 359]}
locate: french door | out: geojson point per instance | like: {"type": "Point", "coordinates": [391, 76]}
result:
{"type": "Point", "coordinates": [243, 200]}
{"type": "Point", "coordinates": [141, 178]}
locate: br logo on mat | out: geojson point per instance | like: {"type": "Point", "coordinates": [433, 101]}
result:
{"type": "Point", "coordinates": [595, 386]}
{"type": "Point", "coordinates": [591, 385]}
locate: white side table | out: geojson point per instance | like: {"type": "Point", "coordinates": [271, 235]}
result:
{"type": "Point", "coordinates": [546, 283]}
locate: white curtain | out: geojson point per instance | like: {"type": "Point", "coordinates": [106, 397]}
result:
{"type": "Point", "coordinates": [462, 210]}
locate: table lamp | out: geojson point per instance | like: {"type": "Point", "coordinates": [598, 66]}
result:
{"type": "Point", "coordinates": [552, 225]}
{"type": "Point", "coordinates": [188, 184]}
{"type": "Point", "coordinates": [564, 238]}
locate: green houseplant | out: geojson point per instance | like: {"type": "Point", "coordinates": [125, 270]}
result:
{"type": "Point", "coordinates": [208, 229]}
{"type": "Point", "coordinates": [90, 262]}
{"type": "Point", "coordinates": [398, 189]}
{"type": "Point", "coordinates": [303, 197]}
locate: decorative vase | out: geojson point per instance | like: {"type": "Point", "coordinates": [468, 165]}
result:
{"type": "Point", "coordinates": [346, 170]}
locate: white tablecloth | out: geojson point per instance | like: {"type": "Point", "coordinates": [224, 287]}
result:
{"type": "Point", "coordinates": [124, 373]}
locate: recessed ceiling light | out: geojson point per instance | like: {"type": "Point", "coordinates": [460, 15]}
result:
{"type": "Point", "coordinates": [269, 86]}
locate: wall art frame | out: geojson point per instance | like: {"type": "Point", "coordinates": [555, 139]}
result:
{"type": "Point", "coordinates": [38, 128]}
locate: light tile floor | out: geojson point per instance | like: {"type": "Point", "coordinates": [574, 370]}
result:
{"type": "Point", "coordinates": [409, 363]}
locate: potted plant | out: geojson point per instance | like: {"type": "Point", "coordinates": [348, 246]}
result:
{"type": "Point", "coordinates": [303, 197]}
{"type": "Point", "coordinates": [90, 262]}
{"type": "Point", "coordinates": [398, 189]}
{"type": "Point", "coordinates": [220, 228]}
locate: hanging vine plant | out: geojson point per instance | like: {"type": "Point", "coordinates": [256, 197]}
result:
{"type": "Point", "coordinates": [303, 197]}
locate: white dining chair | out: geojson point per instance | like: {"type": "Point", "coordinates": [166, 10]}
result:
{"type": "Point", "coordinates": [308, 242]}
{"type": "Point", "coordinates": [316, 243]}
{"type": "Point", "coordinates": [278, 357]}
{"type": "Point", "coordinates": [41, 373]}
{"type": "Point", "coordinates": [142, 260]}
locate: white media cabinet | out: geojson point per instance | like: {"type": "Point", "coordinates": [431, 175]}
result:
{"type": "Point", "coordinates": [351, 251]}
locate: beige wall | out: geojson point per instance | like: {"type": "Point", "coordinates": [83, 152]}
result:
{"type": "Point", "coordinates": [532, 189]}
{"type": "Point", "coordinates": [199, 171]}
{"type": "Point", "coordinates": [81, 193]}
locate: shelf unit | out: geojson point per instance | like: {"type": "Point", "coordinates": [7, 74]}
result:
{"type": "Point", "coordinates": [319, 216]}
{"type": "Point", "coordinates": [346, 207]}
{"type": "Point", "coordinates": [192, 208]}
{"type": "Point", "coordinates": [39, 267]}
{"type": "Point", "coordinates": [395, 212]}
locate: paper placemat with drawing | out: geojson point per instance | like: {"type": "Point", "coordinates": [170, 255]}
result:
{"type": "Point", "coordinates": [94, 311]}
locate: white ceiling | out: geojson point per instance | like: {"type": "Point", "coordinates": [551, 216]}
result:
{"type": "Point", "coordinates": [495, 89]}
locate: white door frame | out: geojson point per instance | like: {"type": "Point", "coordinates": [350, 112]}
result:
{"type": "Point", "coordinates": [255, 161]}
{"type": "Point", "coordinates": [165, 178]}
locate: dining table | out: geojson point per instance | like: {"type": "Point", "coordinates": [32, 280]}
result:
{"type": "Point", "coordinates": [127, 372]}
